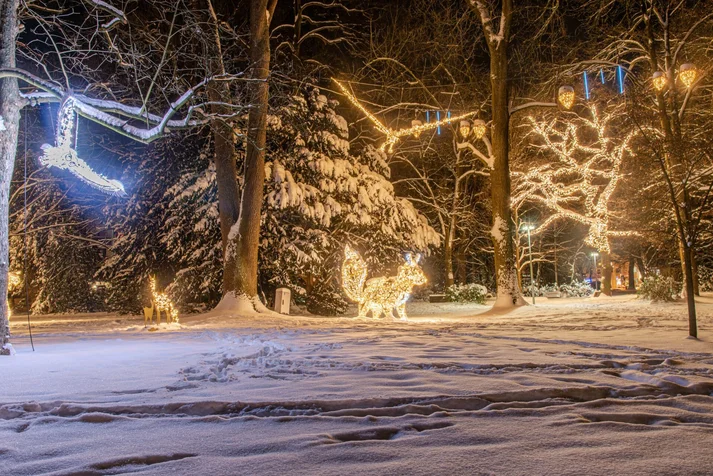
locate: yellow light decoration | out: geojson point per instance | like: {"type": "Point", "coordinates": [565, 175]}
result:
{"type": "Point", "coordinates": [479, 128]}
{"type": "Point", "coordinates": [688, 73]}
{"type": "Point", "coordinates": [161, 302]}
{"type": "Point", "coordinates": [382, 295]}
{"type": "Point", "coordinates": [566, 96]}
{"type": "Point", "coordinates": [659, 80]}
{"type": "Point", "coordinates": [464, 129]}
{"type": "Point", "coordinates": [416, 123]}
{"type": "Point", "coordinates": [392, 136]}
{"type": "Point", "coordinates": [579, 184]}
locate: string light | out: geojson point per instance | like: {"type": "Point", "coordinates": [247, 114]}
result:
{"type": "Point", "coordinates": [392, 136]}
{"type": "Point", "coordinates": [64, 157]}
{"type": "Point", "coordinates": [479, 128]}
{"type": "Point", "coordinates": [566, 184]}
{"type": "Point", "coordinates": [659, 80]}
{"type": "Point", "coordinates": [464, 129]}
{"type": "Point", "coordinates": [416, 123]}
{"type": "Point", "coordinates": [687, 72]}
{"type": "Point", "coordinates": [161, 302]}
{"type": "Point", "coordinates": [380, 295]}
{"type": "Point", "coordinates": [566, 96]}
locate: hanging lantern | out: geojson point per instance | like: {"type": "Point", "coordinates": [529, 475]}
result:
{"type": "Point", "coordinates": [416, 124]}
{"type": "Point", "coordinates": [659, 80]}
{"type": "Point", "coordinates": [479, 128]}
{"type": "Point", "coordinates": [566, 96]}
{"type": "Point", "coordinates": [687, 72]}
{"type": "Point", "coordinates": [464, 129]}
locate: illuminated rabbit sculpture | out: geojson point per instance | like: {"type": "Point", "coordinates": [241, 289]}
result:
{"type": "Point", "coordinates": [380, 295]}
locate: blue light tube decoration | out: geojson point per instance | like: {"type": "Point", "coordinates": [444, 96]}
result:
{"type": "Point", "coordinates": [586, 86]}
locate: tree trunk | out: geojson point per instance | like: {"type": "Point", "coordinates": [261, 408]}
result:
{"type": "Point", "coordinates": [508, 291]}
{"type": "Point", "coordinates": [606, 273]}
{"type": "Point", "coordinates": [448, 257]}
{"type": "Point", "coordinates": [690, 295]}
{"type": "Point", "coordinates": [10, 105]}
{"type": "Point", "coordinates": [632, 275]}
{"type": "Point", "coordinates": [461, 266]}
{"type": "Point", "coordinates": [244, 236]}
{"type": "Point", "coordinates": [694, 268]}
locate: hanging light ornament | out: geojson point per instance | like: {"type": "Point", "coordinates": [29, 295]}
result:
{"type": "Point", "coordinates": [479, 128]}
{"type": "Point", "coordinates": [566, 96]}
{"type": "Point", "coordinates": [464, 129]}
{"type": "Point", "coordinates": [415, 126]}
{"type": "Point", "coordinates": [687, 72]}
{"type": "Point", "coordinates": [659, 80]}
{"type": "Point", "coordinates": [64, 157]}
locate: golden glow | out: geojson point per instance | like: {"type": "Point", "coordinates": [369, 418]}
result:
{"type": "Point", "coordinates": [380, 295]}
{"type": "Point", "coordinates": [659, 80]}
{"type": "Point", "coordinates": [416, 123]}
{"type": "Point", "coordinates": [464, 129]}
{"type": "Point", "coordinates": [687, 72]}
{"type": "Point", "coordinates": [579, 184]}
{"type": "Point", "coordinates": [392, 136]}
{"type": "Point", "coordinates": [161, 302]}
{"type": "Point", "coordinates": [479, 128]}
{"type": "Point", "coordinates": [566, 96]}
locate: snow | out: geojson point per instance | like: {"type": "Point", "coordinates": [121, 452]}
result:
{"type": "Point", "coordinates": [611, 386]}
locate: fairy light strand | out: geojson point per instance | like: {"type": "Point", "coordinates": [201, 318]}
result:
{"type": "Point", "coordinates": [393, 136]}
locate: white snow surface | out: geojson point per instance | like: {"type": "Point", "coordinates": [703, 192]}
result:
{"type": "Point", "coordinates": [586, 386]}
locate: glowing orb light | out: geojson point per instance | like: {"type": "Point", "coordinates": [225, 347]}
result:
{"type": "Point", "coordinates": [566, 96]}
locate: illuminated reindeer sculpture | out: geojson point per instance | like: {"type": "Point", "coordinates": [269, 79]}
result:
{"type": "Point", "coordinates": [160, 302]}
{"type": "Point", "coordinates": [380, 295]}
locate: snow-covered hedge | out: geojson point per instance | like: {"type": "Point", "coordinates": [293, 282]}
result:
{"type": "Point", "coordinates": [659, 288]}
{"type": "Point", "coordinates": [467, 293]}
{"type": "Point", "coordinates": [574, 289]}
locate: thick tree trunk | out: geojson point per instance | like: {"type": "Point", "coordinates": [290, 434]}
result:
{"type": "Point", "coordinates": [448, 257]}
{"type": "Point", "coordinates": [606, 273]}
{"type": "Point", "coordinates": [10, 105]}
{"type": "Point", "coordinates": [461, 266]}
{"type": "Point", "coordinates": [244, 236]}
{"type": "Point", "coordinates": [508, 291]}
{"type": "Point", "coordinates": [632, 274]}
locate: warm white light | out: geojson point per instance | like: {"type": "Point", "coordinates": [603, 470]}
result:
{"type": "Point", "coordinates": [566, 96]}
{"type": "Point", "coordinates": [415, 124]}
{"type": "Point", "coordinates": [380, 295]}
{"type": "Point", "coordinates": [392, 137]}
{"type": "Point", "coordinates": [479, 128]}
{"type": "Point", "coordinates": [13, 281]}
{"type": "Point", "coordinates": [64, 157]}
{"type": "Point", "coordinates": [161, 302]}
{"type": "Point", "coordinates": [687, 72]}
{"type": "Point", "coordinates": [464, 129]}
{"type": "Point", "coordinates": [659, 80]}
{"type": "Point", "coordinates": [528, 227]}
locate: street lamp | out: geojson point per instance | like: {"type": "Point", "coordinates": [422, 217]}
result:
{"type": "Point", "coordinates": [528, 227]}
{"type": "Point", "coordinates": [594, 255]}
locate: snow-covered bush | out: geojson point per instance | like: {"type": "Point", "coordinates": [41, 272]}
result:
{"type": "Point", "coordinates": [659, 288]}
{"type": "Point", "coordinates": [467, 293]}
{"type": "Point", "coordinates": [705, 278]}
{"type": "Point", "coordinates": [577, 289]}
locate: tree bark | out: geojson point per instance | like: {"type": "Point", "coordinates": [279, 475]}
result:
{"type": "Point", "coordinates": [244, 235]}
{"type": "Point", "coordinates": [690, 295]}
{"type": "Point", "coordinates": [10, 105]}
{"type": "Point", "coordinates": [606, 273]}
{"type": "Point", "coordinates": [448, 256]}
{"type": "Point", "coordinates": [632, 275]}
{"type": "Point", "coordinates": [508, 291]}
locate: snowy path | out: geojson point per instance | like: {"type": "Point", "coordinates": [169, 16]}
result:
{"type": "Point", "coordinates": [593, 387]}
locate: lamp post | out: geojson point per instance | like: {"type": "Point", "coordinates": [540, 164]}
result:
{"type": "Point", "coordinates": [594, 255]}
{"type": "Point", "coordinates": [528, 228]}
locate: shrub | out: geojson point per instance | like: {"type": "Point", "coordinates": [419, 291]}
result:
{"type": "Point", "coordinates": [659, 288]}
{"type": "Point", "coordinates": [577, 289]}
{"type": "Point", "coordinates": [467, 293]}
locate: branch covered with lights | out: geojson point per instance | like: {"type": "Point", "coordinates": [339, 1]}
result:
{"type": "Point", "coordinates": [416, 129]}
{"type": "Point", "coordinates": [578, 185]}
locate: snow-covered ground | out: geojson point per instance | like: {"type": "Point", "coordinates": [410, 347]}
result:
{"type": "Point", "coordinates": [583, 386]}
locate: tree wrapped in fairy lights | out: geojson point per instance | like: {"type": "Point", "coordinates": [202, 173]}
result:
{"type": "Point", "coordinates": [578, 180]}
